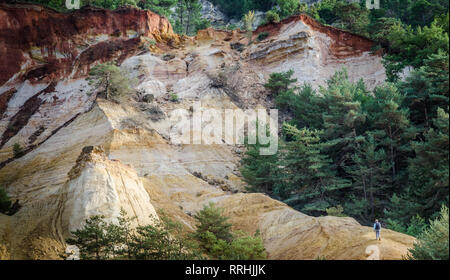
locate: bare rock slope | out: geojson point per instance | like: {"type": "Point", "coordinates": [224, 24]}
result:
{"type": "Point", "coordinates": [86, 156]}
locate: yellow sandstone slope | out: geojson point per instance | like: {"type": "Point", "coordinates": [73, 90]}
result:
{"type": "Point", "coordinates": [64, 185]}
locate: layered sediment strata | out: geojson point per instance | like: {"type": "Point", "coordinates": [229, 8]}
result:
{"type": "Point", "coordinates": [85, 156]}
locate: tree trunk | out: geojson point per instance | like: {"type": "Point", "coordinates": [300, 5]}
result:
{"type": "Point", "coordinates": [392, 153]}
{"type": "Point", "coordinates": [181, 12]}
{"type": "Point", "coordinates": [189, 17]}
{"type": "Point", "coordinates": [107, 86]}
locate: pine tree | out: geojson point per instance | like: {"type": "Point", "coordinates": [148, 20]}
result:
{"type": "Point", "coordinates": [428, 177]}
{"type": "Point", "coordinates": [210, 219]}
{"type": "Point", "coordinates": [411, 47]}
{"type": "Point", "coordinates": [433, 243]}
{"type": "Point", "coordinates": [426, 89]}
{"type": "Point", "coordinates": [187, 17]}
{"type": "Point", "coordinates": [246, 247]}
{"type": "Point", "coordinates": [110, 79]}
{"type": "Point", "coordinates": [307, 180]}
{"type": "Point", "coordinates": [5, 202]}
{"type": "Point", "coordinates": [371, 182]}
{"type": "Point", "coordinates": [161, 7]}
{"type": "Point", "coordinates": [280, 82]}
{"type": "Point", "coordinates": [17, 150]}
{"type": "Point", "coordinates": [390, 126]}
{"type": "Point", "coordinates": [217, 241]}
{"type": "Point", "coordinates": [249, 19]}
{"type": "Point", "coordinates": [342, 119]}
{"type": "Point", "coordinates": [287, 7]}
{"type": "Point", "coordinates": [429, 170]}
{"type": "Point", "coordinates": [259, 171]}
{"type": "Point", "coordinates": [93, 239]}
{"type": "Point", "coordinates": [164, 239]}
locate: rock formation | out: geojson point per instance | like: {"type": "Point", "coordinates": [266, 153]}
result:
{"type": "Point", "coordinates": [85, 156]}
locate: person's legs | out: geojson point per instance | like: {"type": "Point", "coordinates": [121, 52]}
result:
{"type": "Point", "coordinates": [377, 234]}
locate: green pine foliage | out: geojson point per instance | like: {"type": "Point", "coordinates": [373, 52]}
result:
{"type": "Point", "coordinates": [337, 211]}
{"type": "Point", "coordinates": [17, 150]}
{"type": "Point", "coordinates": [432, 244]}
{"type": "Point", "coordinates": [370, 173]}
{"type": "Point", "coordinates": [161, 7]}
{"type": "Point", "coordinates": [287, 8]}
{"type": "Point", "coordinates": [217, 241]}
{"type": "Point", "coordinates": [272, 17]}
{"type": "Point", "coordinates": [259, 170]}
{"type": "Point", "coordinates": [111, 81]}
{"type": "Point", "coordinates": [427, 89]}
{"type": "Point", "coordinates": [5, 202]}
{"type": "Point", "coordinates": [93, 240]}
{"type": "Point", "coordinates": [60, 5]}
{"type": "Point", "coordinates": [280, 82]}
{"type": "Point", "coordinates": [412, 46]}
{"type": "Point", "coordinates": [187, 17]}
{"type": "Point", "coordinates": [165, 239]}
{"type": "Point", "coordinates": [238, 8]}
{"type": "Point", "coordinates": [390, 125]}
{"type": "Point", "coordinates": [430, 168]}
{"type": "Point", "coordinates": [342, 118]}
{"type": "Point", "coordinates": [210, 219]}
{"type": "Point", "coordinates": [363, 150]}
{"type": "Point", "coordinates": [308, 180]}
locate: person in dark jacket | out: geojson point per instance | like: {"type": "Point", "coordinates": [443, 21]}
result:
{"type": "Point", "coordinates": [377, 229]}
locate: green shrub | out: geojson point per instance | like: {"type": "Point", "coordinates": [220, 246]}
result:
{"type": "Point", "coordinates": [110, 79]}
{"type": "Point", "coordinates": [287, 7]}
{"type": "Point", "coordinates": [280, 82]}
{"type": "Point", "coordinates": [433, 243]}
{"type": "Point", "coordinates": [337, 211]}
{"type": "Point", "coordinates": [272, 16]}
{"type": "Point", "coordinates": [262, 36]}
{"type": "Point", "coordinates": [163, 240]}
{"type": "Point", "coordinates": [217, 241]}
{"type": "Point", "coordinates": [174, 97]}
{"type": "Point", "coordinates": [5, 203]}
{"type": "Point", "coordinates": [17, 150]}
{"type": "Point", "coordinates": [147, 43]}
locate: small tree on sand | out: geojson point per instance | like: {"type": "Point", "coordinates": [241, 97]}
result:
{"type": "Point", "coordinates": [249, 18]}
{"type": "Point", "coordinates": [110, 79]}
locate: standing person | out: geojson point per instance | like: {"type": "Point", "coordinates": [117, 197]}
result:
{"type": "Point", "coordinates": [377, 228]}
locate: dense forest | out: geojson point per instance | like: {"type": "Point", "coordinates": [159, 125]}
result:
{"type": "Point", "coordinates": [368, 154]}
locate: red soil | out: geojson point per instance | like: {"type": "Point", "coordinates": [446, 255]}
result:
{"type": "Point", "coordinates": [358, 44]}
{"type": "Point", "coordinates": [23, 27]}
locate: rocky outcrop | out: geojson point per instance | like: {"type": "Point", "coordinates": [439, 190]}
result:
{"type": "Point", "coordinates": [40, 43]}
{"type": "Point", "coordinates": [99, 186]}
{"type": "Point", "coordinates": [86, 157]}
{"type": "Point", "coordinates": [213, 14]}
{"type": "Point", "coordinates": [315, 52]}
{"type": "Point", "coordinates": [219, 20]}
{"type": "Point", "coordinates": [46, 55]}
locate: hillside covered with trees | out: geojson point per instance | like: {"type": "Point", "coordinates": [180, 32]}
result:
{"type": "Point", "coordinates": [368, 154]}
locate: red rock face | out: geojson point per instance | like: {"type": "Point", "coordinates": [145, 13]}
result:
{"type": "Point", "coordinates": [63, 39]}
{"type": "Point", "coordinates": [345, 44]}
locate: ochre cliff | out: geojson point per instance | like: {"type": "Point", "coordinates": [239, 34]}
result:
{"type": "Point", "coordinates": [85, 155]}
{"type": "Point", "coordinates": [39, 42]}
